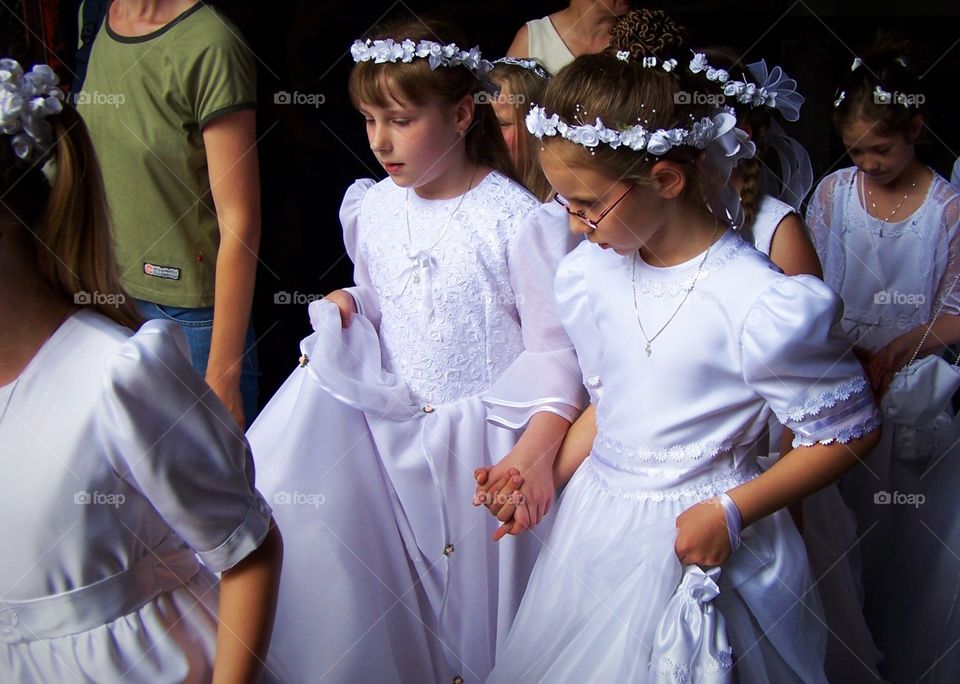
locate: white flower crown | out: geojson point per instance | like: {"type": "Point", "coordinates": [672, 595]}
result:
{"type": "Point", "coordinates": [879, 94]}
{"type": "Point", "coordinates": [531, 65]}
{"type": "Point", "coordinates": [437, 54]}
{"type": "Point", "coordinates": [637, 137]}
{"type": "Point", "coordinates": [773, 89]}
{"type": "Point", "coordinates": [26, 100]}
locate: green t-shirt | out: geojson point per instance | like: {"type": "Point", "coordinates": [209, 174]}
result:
{"type": "Point", "coordinates": [145, 101]}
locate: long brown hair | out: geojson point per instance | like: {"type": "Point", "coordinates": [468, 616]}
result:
{"type": "Point", "coordinates": [415, 82]}
{"type": "Point", "coordinates": [523, 88]}
{"type": "Point", "coordinates": [68, 221]}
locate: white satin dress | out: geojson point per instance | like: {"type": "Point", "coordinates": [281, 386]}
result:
{"type": "Point", "coordinates": [674, 429]}
{"type": "Point", "coordinates": [368, 450]}
{"type": "Point", "coordinates": [118, 468]}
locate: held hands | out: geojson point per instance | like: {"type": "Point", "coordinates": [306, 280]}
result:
{"type": "Point", "coordinates": [518, 491]}
{"type": "Point", "coordinates": [702, 537]}
{"type": "Point", "coordinates": [345, 303]}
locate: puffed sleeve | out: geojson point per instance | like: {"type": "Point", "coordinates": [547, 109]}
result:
{"type": "Point", "coordinates": [795, 358]}
{"type": "Point", "coordinates": [546, 376]}
{"type": "Point", "coordinates": [363, 292]}
{"type": "Point", "coordinates": [171, 439]}
{"type": "Point", "coordinates": [570, 288]}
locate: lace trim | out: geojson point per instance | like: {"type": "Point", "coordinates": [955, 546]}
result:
{"type": "Point", "coordinates": [677, 287]}
{"type": "Point", "coordinates": [697, 490]}
{"type": "Point", "coordinates": [812, 406]}
{"type": "Point", "coordinates": [843, 435]}
{"type": "Point", "coordinates": [675, 454]}
{"type": "Point", "coordinates": [718, 664]}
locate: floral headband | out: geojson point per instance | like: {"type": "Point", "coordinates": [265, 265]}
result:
{"type": "Point", "coordinates": [723, 143]}
{"type": "Point", "coordinates": [637, 137]}
{"type": "Point", "coordinates": [773, 88]}
{"type": "Point", "coordinates": [531, 65]}
{"type": "Point", "coordinates": [437, 54]}
{"type": "Point", "coordinates": [26, 100]}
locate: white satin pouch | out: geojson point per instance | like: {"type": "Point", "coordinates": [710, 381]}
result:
{"type": "Point", "coordinates": [691, 643]}
{"type": "Point", "coordinates": [920, 392]}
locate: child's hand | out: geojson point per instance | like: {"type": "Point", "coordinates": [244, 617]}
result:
{"type": "Point", "coordinates": [345, 303]}
{"type": "Point", "coordinates": [886, 362]}
{"type": "Point", "coordinates": [702, 535]}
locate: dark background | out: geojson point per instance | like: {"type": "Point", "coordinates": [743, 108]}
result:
{"type": "Point", "coordinates": [309, 155]}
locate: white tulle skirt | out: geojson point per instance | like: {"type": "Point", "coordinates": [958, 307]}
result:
{"type": "Point", "coordinates": [389, 571]}
{"type": "Point", "coordinates": [609, 601]}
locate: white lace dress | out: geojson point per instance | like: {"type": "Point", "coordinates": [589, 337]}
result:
{"type": "Point", "coordinates": [369, 449]}
{"type": "Point", "coordinates": [894, 277]}
{"type": "Point", "coordinates": [118, 468]}
{"type": "Point", "coordinates": [674, 429]}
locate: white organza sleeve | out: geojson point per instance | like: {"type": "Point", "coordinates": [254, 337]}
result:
{"type": "Point", "coordinates": [546, 376]}
{"type": "Point", "coordinates": [827, 238]}
{"type": "Point", "coordinates": [363, 292]}
{"type": "Point", "coordinates": [948, 289]}
{"type": "Point", "coordinates": [577, 317]}
{"type": "Point", "coordinates": [795, 358]}
{"type": "Point", "coordinates": [170, 438]}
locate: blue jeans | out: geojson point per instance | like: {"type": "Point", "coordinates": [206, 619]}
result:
{"type": "Point", "coordinates": [197, 324]}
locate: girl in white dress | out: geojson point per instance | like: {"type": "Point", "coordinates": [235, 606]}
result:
{"type": "Point", "coordinates": [888, 234]}
{"type": "Point", "coordinates": [772, 185]}
{"type": "Point", "coordinates": [118, 465]}
{"type": "Point", "coordinates": [446, 355]}
{"type": "Point", "coordinates": [695, 336]}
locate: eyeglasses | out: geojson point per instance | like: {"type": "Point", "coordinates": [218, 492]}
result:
{"type": "Point", "coordinates": [581, 215]}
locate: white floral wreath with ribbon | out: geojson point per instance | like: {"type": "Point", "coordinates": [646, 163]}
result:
{"type": "Point", "coordinates": [437, 54]}
{"type": "Point", "coordinates": [773, 88]}
{"type": "Point", "coordinates": [26, 100]}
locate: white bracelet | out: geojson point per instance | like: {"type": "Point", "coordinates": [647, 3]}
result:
{"type": "Point", "coordinates": [733, 518]}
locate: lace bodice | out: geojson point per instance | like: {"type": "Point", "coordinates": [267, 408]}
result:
{"type": "Point", "coordinates": [892, 277]}
{"type": "Point", "coordinates": [450, 295]}
{"type": "Point", "coordinates": [747, 341]}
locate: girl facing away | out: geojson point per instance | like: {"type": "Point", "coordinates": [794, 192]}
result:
{"type": "Point", "coordinates": [672, 551]}
{"type": "Point", "coordinates": [446, 355]}
{"type": "Point", "coordinates": [888, 233]}
{"type": "Point", "coordinates": [118, 465]}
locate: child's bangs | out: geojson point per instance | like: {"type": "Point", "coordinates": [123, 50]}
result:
{"type": "Point", "coordinates": [383, 85]}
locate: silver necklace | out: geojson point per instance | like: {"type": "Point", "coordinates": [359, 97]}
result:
{"type": "Point", "coordinates": [686, 295]}
{"type": "Point", "coordinates": [884, 221]}
{"type": "Point", "coordinates": [416, 256]}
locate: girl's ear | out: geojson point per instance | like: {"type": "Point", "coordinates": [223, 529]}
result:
{"type": "Point", "coordinates": [669, 178]}
{"type": "Point", "coordinates": [464, 114]}
{"type": "Point", "coordinates": [916, 127]}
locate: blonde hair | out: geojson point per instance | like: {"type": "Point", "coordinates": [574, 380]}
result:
{"type": "Point", "coordinates": [68, 221]}
{"type": "Point", "coordinates": [527, 89]}
{"type": "Point", "coordinates": [415, 82]}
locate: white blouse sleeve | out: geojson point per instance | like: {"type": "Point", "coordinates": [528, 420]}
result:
{"type": "Point", "coordinates": [795, 358]}
{"type": "Point", "coordinates": [171, 439]}
{"type": "Point", "coordinates": [546, 376]}
{"type": "Point", "coordinates": [577, 317]}
{"type": "Point", "coordinates": [948, 289]}
{"type": "Point", "coordinates": [363, 292]}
